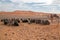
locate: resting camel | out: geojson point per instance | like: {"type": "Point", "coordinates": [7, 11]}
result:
{"type": "Point", "coordinates": [13, 22]}
{"type": "Point", "coordinates": [52, 16]}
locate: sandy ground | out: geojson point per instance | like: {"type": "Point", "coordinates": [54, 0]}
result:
{"type": "Point", "coordinates": [30, 32]}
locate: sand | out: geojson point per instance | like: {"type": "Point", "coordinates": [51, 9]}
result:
{"type": "Point", "coordinates": [30, 32]}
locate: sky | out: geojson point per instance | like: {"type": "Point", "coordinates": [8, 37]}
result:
{"type": "Point", "coordinates": [52, 6]}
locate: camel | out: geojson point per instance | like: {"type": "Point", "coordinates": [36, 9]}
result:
{"type": "Point", "coordinates": [52, 16]}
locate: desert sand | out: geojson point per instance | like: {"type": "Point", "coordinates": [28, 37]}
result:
{"type": "Point", "coordinates": [27, 31]}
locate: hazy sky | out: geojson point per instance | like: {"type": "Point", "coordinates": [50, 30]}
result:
{"type": "Point", "coordinates": [31, 5]}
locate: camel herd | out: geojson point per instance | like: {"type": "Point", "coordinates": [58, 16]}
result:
{"type": "Point", "coordinates": [13, 22]}
{"type": "Point", "coordinates": [16, 21]}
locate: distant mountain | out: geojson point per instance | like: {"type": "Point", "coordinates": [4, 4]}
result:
{"type": "Point", "coordinates": [23, 14]}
